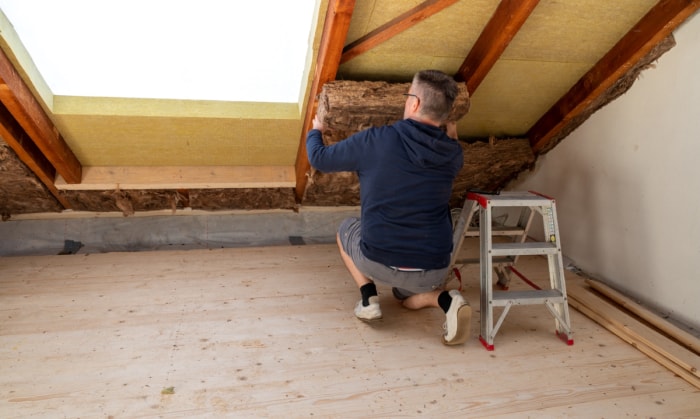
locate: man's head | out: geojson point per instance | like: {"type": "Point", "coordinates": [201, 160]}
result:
{"type": "Point", "coordinates": [431, 96]}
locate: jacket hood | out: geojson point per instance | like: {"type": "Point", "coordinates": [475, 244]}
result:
{"type": "Point", "coordinates": [426, 145]}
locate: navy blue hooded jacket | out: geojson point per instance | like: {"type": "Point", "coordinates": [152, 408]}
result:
{"type": "Point", "coordinates": [406, 172]}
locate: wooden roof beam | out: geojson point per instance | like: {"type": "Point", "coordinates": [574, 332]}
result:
{"type": "Point", "coordinates": [28, 153]}
{"type": "Point", "coordinates": [656, 25]}
{"type": "Point", "coordinates": [394, 27]}
{"type": "Point", "coordinates": [509, 17]}
{"type": "Point", "coordinates": [335, 30]}
{"type": "Point", "coordinates": [20, 102]}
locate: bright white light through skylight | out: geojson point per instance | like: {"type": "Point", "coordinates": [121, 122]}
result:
{"type": "Point", "coordinates": [230, 50]}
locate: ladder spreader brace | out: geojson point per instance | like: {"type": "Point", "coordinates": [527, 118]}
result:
{"type": "Point", "coordinates": [501, 258]}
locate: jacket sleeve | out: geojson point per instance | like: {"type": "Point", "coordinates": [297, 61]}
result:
{"type": "Point", "coordinates": [344, 156]}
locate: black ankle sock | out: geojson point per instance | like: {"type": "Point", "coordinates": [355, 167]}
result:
{"type": "Point", "coordinates": [444, 300]}
{"type": "Point", "coordinates": [368, 290]}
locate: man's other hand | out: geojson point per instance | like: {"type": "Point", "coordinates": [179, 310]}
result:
{"type": "Point", "coordinates": [317, 123]}
{"type": "Point", "coordinates": [451, 130]}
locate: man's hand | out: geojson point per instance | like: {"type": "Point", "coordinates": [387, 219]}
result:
{"type": "Point", "coordinates": [317, 123]}
{"type": "Point", "coordinates": [451, 130]}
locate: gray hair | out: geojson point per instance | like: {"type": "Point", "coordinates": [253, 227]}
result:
{"type": "Point", "coordinates": [437, 92]}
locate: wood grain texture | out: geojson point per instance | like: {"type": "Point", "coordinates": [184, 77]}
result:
{"type": "Point", "coordinates": [269, 332]}
{"type": "Point", "coordinates": [683, 337]}
{"type": "Point", "coordinates": [675, 357]}
{"type": "Point", "coordinates": [26, 110]}
{"type": "Point", "coordinates": [181, 177]}
{"type": "Point", "coordinates": [641, 39]}
{"type": "Point", "coordinates": [395, 26]}
{"type": "Point", "coordinates": [505, 23]}
{"type": "Point", "coordinates": [335, 30]}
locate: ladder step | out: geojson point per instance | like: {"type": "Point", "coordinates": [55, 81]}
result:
{"type": "Point", "coordinates": [521, 202]}
{"type": "Point", "coordinates": [517, 199]}
{"type": "Point", "coordinates": [497, 231]}
{"type": "Point", "coordinates": [502, 298]}
{"type": "Point", "coordinates": [500, 256]}
{"type": "Point", "coordinates": [529, 248]}
{"type": "Point", "coordinates": [495, 261]}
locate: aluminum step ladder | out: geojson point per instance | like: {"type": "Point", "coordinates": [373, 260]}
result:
{"type": "Point", "coordinates": [500, 257]}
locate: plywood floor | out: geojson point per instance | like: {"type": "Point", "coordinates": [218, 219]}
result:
{"type": "Point", "coordinates": [269, 332]}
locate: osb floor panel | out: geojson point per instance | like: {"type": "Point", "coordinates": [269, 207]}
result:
{"type": "Point", "coordinates": [269, 332]}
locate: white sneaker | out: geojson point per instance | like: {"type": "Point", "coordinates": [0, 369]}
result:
{"type": "Point", "coordinates": [457, 320]}
{"type": "Point", "coordinates": [370, 312]}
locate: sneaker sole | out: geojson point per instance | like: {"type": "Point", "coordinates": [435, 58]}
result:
{"type": "Point", "coordinates": [372, 320]}
{"type": "Point", "coordinates": [464, 317]}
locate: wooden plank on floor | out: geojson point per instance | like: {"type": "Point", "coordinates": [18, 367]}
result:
{"type": "Point", "coordinates": [663, 350]}
{"type": "Point", "coordinates": [685, 338]}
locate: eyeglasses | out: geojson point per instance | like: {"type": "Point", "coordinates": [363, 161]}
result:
{"type": "Point", "coordinates": [415, 96]}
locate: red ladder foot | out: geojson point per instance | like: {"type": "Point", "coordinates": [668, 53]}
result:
{"type": "Point", "coordinates": [565, 338]}
{"type": "Point", "coordinates": [489, 347]}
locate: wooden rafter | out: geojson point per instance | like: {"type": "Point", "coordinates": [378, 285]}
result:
{"type": "Point", "coordinates": [394, 27]}
{"type": "Point", "coordinates": [509, 17]}
{"type": "Point", "coordinates": [20, 102]}
{"type": "Point", "coordinates": [656, 25]}
{"type": "Point", "coordinates": [335, 30]}
{"type": "Point", "coordinates": [28, 153]}
{"type": "Point", "coordinates": [25, 149]}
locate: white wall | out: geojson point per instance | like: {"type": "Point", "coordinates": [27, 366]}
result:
{"type": "Point", "coordinates": [627, 185]}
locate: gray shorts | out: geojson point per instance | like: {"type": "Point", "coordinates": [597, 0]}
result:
{"type": "Point", "coordinates": [406, 283]}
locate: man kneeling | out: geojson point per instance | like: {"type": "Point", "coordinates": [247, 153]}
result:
{"type": "Point", "coordinates": [403, 237]}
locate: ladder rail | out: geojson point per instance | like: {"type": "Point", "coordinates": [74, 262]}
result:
{"type": "Point", "coordinates": [557, 264]}
{"type": "Point", "coordinates": [462, 225]}
{"type": "Point", "coordinates": [498, 324]}
{"type": "Point", "coordinates": [496, 256]}
{"type": "Point", "coordinates": [558, 317]}
{"type": "Point", "coordinates": [486, 271]}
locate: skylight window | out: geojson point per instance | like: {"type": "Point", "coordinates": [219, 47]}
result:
{"type": "Point", "coordinates": [168, 49]}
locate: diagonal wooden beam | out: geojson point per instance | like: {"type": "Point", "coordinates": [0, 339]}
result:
{"type": "Point", "coordinates": [25, 109]}
{"type": "Point", "coordinates": [656, 25]}
{"type": "Point", "coordinates": [28, 153]}
{"type": "Point", "coordinates": [509, 17]}
{"type": "Point", "coordinates": [335, 30]}
{"type": "Point", "coordinates": [394, 27]}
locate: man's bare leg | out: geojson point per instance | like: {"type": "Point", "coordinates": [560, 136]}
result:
{"type": "Point", "coordinates": [359, 278]}
{"type": "Point", "coordinates": [423, 300]}
{"type": "Point", "coordinates": [414, 302]}
{"type": "Point", "coordinates": [458, 316]}
{"type": "Point", "coordinates": [367, 309]}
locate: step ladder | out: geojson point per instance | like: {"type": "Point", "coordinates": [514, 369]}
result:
{"type": "Point", "coordinates": [500, 257]}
